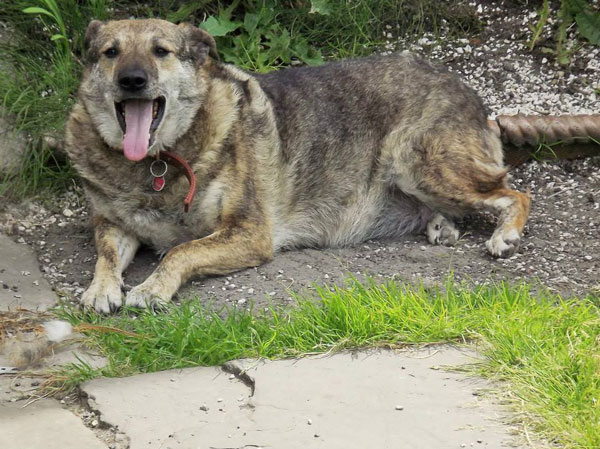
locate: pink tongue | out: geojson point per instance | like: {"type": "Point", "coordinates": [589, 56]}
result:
{"type": "Point", "coordinates": [138, 118]}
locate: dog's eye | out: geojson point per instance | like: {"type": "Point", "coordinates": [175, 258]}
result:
{"type": "Point", "coordinates": [112, 52]}
{"type": "Point", "coordinates": [161, 52]}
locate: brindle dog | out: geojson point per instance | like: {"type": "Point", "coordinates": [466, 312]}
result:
{"type": "Point", "coordinates": [301, 157]}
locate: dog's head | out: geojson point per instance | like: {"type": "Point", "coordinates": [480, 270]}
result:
{"type": "Point", "coordinates": [143, 83]}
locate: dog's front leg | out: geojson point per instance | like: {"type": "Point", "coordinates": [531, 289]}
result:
{"type": "Point", "coordinates": [115, 249]}
{"type": "Point", "coordinates": [222, 252]}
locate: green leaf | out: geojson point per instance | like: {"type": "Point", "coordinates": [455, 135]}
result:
{"type": "Point", "coordinates": [185, 11]}
{"type": "Point", "coordinates": [320, 7]}
{"type": "Point", "coordinates": [36, 10]}
{"type": "Point", "coordinates": [267, 15]}
{"type": "Point", "coordinates": [300, 48]}
{"type": "Point", "coordinates": [589, 26]}
{"type": "Point", "coordinates": [226, 13]}
{"type": "Point", "coordinates": [313, 57]}
{"type": "Point", "coordinates": [251, 22]}
{"type": "Point", "coordinates": [306, 54]}
{"type": "Point", "coordinates": [543, 12]}
{"type": "Point", "coordinates": [229, 55]}
{"type": "Point", "coordinates": [56, 37]}
{"type": "Point", "coordinates": [571, 8]}
{"type": "Point", "coordinates": [279, 43]}
{"type": "Point", "coordinates": [563, 58]}
{"type": "Point", "coordinates": [219, 26]}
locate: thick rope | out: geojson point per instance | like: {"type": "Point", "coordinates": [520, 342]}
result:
{"type": "Point", "coordinates": [532, 129]}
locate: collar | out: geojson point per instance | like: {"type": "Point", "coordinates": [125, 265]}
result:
{"type": "Point", "coordinates": [159, 180]}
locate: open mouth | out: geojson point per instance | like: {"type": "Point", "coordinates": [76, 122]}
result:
{"type": "Point", "coordinates": [139, 119]}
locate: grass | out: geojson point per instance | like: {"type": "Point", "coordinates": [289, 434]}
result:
{"type": "Point", "coordinates": [545, 348]}
{"type": "Point", "coordinates": [358, 28]}
{"type": "Point", "coordinates": [36, 94]}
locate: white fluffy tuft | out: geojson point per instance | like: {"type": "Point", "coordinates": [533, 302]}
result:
{"type": "Point", "coordinates": [57, 330]}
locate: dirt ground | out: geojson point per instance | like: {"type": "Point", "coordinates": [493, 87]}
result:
{"type": "Point", "coordinates": [561, 246]}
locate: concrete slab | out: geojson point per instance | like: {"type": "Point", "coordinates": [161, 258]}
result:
{"type": "Point", "coordinates": [376, 399]}
{"type": "Point", "coordinates": [75, 353]}
{"type": "Point", "coordinates": [43, 425]}
{"type": "Point", "coordinates": [17, 389]}
{"type": "Point", "coordinates": [21, 282]}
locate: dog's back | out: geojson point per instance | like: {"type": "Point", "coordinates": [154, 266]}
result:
{"type": "Point", "coordinates": [351, 135]}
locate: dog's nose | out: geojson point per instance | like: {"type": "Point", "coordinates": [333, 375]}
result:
{"type": "Point", "coordinates": [133, 79]}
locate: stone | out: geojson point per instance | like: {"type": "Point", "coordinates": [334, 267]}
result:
{"type": "Point", "coordinates": [13, 146]}
{"type": "Point", "coordinates": [30, 291]}
{"type": "Point", "coordinates": [43, 424]}
{"type": "Point", "coordinates": [350, 398]}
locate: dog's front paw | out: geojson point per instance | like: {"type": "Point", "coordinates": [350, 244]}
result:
{"type": "Point", "coordinates": [147, 295]}
{"type": "Point", "coordinates": [441, 231]}
{"type": "Point", "coordinates": [103, 296]}
{"type": "Point", "coordinates": [503, 243]}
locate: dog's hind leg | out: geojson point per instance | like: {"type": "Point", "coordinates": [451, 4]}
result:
{"type": "Point", "coordinates": [459, 172]}
{"type": "Point", "coordinates": [513, 210]}
{"type": "Point", "coordinates": [441, 231]}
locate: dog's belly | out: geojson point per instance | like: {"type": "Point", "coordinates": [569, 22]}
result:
{"type": "Point", "coordinates": [162, 234]}
{"type": "Point", "coordinates": [378, 213]}
{"type": "Point", "coordinates": [320, 226]}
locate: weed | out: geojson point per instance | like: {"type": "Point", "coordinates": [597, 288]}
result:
{"type": "Point", "coordinates": [571, 12]}
{"type": "Point", "coordinates": [54, 13]}
{"type": "Point", "coordinates": [545, 150]}
{"type": "Point", "coordinates": [258, 43]}
{"type": "Point", "coordinates": [538, 28]}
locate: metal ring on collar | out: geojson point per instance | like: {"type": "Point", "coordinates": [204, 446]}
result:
{"type": "Point", "coordinates": [156, 171]}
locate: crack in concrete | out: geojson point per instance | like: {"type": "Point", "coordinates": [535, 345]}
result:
{"type": "Point", "coordinates": [105, 431]}
{"type": "Point", "coordinates": [241, 375]}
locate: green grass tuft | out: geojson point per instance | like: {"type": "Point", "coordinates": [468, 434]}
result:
{"type": "Point", "coordinates": [544, 347]}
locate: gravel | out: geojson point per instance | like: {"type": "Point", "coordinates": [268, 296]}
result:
{"type": "Point", "coordinates": [507, 75]}
{"type": "Point", "coordinates": [561, 246]}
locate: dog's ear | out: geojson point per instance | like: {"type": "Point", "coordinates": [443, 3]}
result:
{"type": "Point", "coordinates": [91, 33]}
{"type": "Point", "coordinates": [199, 43]}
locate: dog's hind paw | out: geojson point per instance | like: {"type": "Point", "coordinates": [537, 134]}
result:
{"type": "Point", "coordinates": [441, 231]}
{"type": "Point", "coordinates": [503, 243]}
{"type": "Point", "coordinates": [102, 296]}
{"type": "Point", "coordinates": [145, 296]}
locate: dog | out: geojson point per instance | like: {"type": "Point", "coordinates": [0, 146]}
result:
{"type": "Point", "coordinates": [322, 156]}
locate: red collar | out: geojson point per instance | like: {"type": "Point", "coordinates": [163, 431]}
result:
{"type": "Point", "coordinates": [159, 180]}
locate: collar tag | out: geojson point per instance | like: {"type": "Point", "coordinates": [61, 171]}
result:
{"type": "Point", "coordinates": [158, 183]}
{"type": "Point", "coordinates": [158, 170]}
